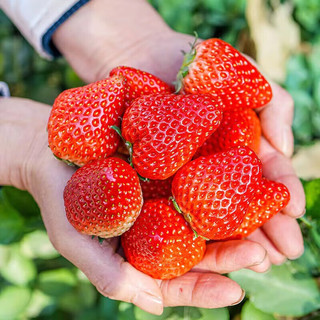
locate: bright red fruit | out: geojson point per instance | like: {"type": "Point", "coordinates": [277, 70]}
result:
{"type": "Point", "coordinates": [79, 124]}
{"type": "Point", "coordinates": [167, 129]}
{"type": "Point", "coordinates": [103, 198]}
{"type": "Point", "coordinates": [140, 83]}
{"type": "Point", "coordinates": [155, 189]}
{"type": "Point", "coordinates": [214, 66]}
{"type": "Point", "coordinates": [270, 198]}
{"type": "Point", "coordinates": [214, 192]}
{"type": "Point", "coordinates": [239, 127]}
{"type": "Point", "coordinates": [161, 243]}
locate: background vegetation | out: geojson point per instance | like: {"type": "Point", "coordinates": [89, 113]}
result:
{"type": "Point", "coordinates": [37, 283]}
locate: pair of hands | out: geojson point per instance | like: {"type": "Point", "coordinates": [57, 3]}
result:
{"type": "Point", "coordinates": [110, 38]}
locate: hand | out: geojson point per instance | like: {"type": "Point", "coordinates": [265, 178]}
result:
{"type": "Point", "coordinates": [28, 164]}
{"type": "Point", "coordinates": [115, 38]}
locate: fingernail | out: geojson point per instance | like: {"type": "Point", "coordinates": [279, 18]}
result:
{"type": "Point", "coordinates": [261, 261]}
{"type": "Point", "coordinates": [302, 214]}
{"type": "Point", "coordinates": [149, 303]}
{"type": "Point", "coordinates": [286, 141]}
{"type": "Point", "coordinates": [241, 298]}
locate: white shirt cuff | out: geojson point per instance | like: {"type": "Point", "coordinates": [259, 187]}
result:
{"type": "Point", "coordinates": [37, 20]}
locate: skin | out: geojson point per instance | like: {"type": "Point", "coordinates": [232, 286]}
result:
{"type": "Point", "coordinates": [27, 163]}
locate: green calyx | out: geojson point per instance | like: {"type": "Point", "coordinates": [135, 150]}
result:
{"type": "Point", "coordinates": [130, 150]}
{"type": "Point", "coordinates": [187, 60]}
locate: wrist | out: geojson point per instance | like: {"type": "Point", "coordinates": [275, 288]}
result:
{"type": "Point", "coordinates": [22, 140]}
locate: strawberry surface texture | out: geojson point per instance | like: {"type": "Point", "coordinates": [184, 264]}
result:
{"type": "Point", "coordinates": [239, 127]}
{"type": "Point", "coordinates": [79, 124]}
{"type": "Point", "coordinates": [103, 198]}
{"type": "Point", "coordinates": [140, 83]}
{"type": "Point", "coordinates": [270, 198]}
{"type": "Point", "coordinates": [161, 243]}
{"type": "Point", "coordinates": [217, 68]}
{"type": "Point", "coordinates": [167, 129]}
{"type": "Point", "coordinates": [214, 192]}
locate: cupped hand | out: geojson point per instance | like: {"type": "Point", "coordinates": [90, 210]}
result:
{"type": "Point", "coordinates": [28, 164]}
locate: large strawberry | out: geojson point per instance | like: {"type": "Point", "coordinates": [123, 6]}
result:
{"type": "Point", "coordinates": [239, 127]}
{"type": "Point", "coordinates": [270, 198]}
{"type": "Point", "coordinates": [79, 126]}
{"type": "Point", "coordinates": [214, 192]}
{"type": "Point", "coordinates": [214, 66]}
{"type": "Point", "coordinates": [155, 189]}
{"type": "Point", "coordinates": [166, 130]}
{"type": "Point", "coordinates": [161, 243]}
{"type": "Point", "coordinates": [103, 198]}
{"type": "Point", "coordinates": [140, 83]}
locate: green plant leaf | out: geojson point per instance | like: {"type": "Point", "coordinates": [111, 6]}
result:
{"type": "Point", "coordinates": [250, 312]}
{"type": "Point", "coordinates": [12, 223]}
{"type": "Point", "coordinates": [19, 269]}
{"type": "Point", "coordinates": [37, 245]}
{"type": "Point", "coordinates": [22, 201]}
{"type": "Point", "coordinates": [280, 291]}
{"type": "Point", "coordinates": [56, 282]}
{"type": "Point", "coordinates": [14, 301]}
{"type": "Point", "coordinates": [312, 192]}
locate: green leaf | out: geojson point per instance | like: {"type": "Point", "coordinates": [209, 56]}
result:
{"type": "Point", "coordinates": [22, 201]}
{"type": "Point", "coordinates": [37, 245]}
{"type": "Point", "coordinates": [12, 223]}
{"type": "Point", "coordinates": [127, 311]}
{"type": "Point", "coordinates": [215, 314]}
{"type": "Point", "coordinates": [279, 291]}
{"type": "Point", "coordinates": [14, 301]}
{"type": "Point", "coordinates": [56, 282]}
{"type": "Point", "coordinates": [250, 312]}
{"type": "Point", "coordinates": [40, 304]}
{"type": "Point", "coordinates": [142, 315]}
{"type": "Point", "coordinates": [19, 269]}
{"type": "Point", "coordinates": [312, 193]}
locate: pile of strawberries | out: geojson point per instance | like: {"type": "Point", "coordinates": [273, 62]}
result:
{"type": "Point", "coordinates": [193, 174]}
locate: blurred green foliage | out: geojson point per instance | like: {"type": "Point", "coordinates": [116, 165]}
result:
{"type": "Point", "coordinates": [48, 287]}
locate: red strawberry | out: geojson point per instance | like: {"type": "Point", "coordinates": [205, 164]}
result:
{"type": "Point", "coordinates": [214, 192]}
{"type": "Point", "coordinates": [103, 198]}
{"type": "Point", "coordinates": [155, 189]}
{"type": "Point", "coordinates": [270, 198]}
{"type": "Point", "coordinates": [79, 124]}
{"type": "Point", "coordinates": [214, 66]}
{"type": "Point", "coordinates": [161, 243]}
{"type": "Point", "coordinates": [140, 83]}
{"type": "Point", "coordinates": [239, 127]}
{"type": "Point", "coordinates": [167, 129]}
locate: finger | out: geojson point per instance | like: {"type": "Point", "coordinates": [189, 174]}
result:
{"type": "Point", "coordinates": [204, 290]}
{"type": "Point", "coordinates": [275, 256]}
{"type": "Point", "coordinates": [285, 234]}
{"type": "Point", "coordinates": [276, 120]}
{"type": "Point", "coordinates": [232, 255]}
{"type": "Point", "coordinates": [277, 167]}
{"type": "Point", "coordinates": [112, 276]}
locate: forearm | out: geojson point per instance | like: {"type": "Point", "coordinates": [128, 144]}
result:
{"type": "Point", "coordinates": [105, 33]}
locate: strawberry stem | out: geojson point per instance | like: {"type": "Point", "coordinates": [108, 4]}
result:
{"type": "Point", "coordinates": [129, 146]}
{"type": "Point", "coordinates": [187, 60]}
{"type": "Point", "coordinates": [175, 204]}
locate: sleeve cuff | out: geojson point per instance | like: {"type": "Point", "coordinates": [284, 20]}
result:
{"type": "Point", "coordinates": [4, 90]}
{"type": "Point", "coordinates": [47, 44]}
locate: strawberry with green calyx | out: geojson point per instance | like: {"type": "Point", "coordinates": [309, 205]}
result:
{"type": "Point", "coordinates": [239, 127]}
{"type": "Point", "coordinates": [165, 130]}
{"type": "Point", "coordinates": [79, 126]}
{"type": "Point", "coordinates": [140, 83]}
{"type": "Point", "coordinates": [103, 198]}
{"type": "Point", "coordinates": [214, 192]}
{"type": "Point", "coordinates": [270, 198]}
{"type": "Point", "coordinates": [215, 67]}
{"type": "Point", "coordinates": [161, 243]}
